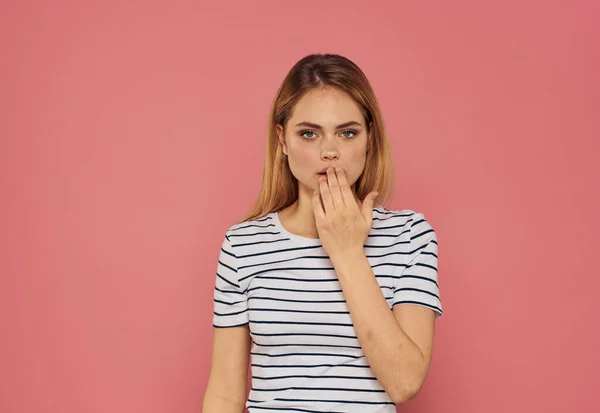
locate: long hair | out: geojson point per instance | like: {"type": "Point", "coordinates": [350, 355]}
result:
{"type": "Point", "coordinates": [280, 187]}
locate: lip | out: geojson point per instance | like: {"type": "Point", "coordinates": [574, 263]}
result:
{"type": "Point", "coordinates": [324, 170]}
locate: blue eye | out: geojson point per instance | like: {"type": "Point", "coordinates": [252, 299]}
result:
{"type": "Point", "coordinates": [305, 132]}
{"type": "Point", "coordinates": [353, 132]}
{"type": "Point", "coordinates": [308, 131]}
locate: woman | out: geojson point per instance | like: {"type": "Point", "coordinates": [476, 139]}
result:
{"type": "Point", "coordinates": [335, 300]}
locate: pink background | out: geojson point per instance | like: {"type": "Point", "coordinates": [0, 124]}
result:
{"type": "Point", "coordinates": [132, 136]}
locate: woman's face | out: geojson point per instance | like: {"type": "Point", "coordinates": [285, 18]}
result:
{"type": "Point", "coordinates": [327, 128]}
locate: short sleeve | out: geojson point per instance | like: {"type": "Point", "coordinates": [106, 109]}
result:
{"type": "Point", "coordinates": [230, 302]}
{"type": "Point", "coordinates": [418, 283]}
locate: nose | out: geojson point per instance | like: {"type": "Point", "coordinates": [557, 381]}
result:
{"type": "Point", "coordinates": [329, 148]}
{"type": "Point", "coordinates": [329, 155]}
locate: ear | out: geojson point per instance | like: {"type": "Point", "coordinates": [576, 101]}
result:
{"type": "Point", "coordinates": [281, 136]}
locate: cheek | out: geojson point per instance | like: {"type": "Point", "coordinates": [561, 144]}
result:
{"type": "Point", "coordinates": [357, 162]}
{"type": "Point", "coordinates": [301, 157]}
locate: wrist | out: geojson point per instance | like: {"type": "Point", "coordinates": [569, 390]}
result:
{"type": "Point", "coordinates": [348, 257]}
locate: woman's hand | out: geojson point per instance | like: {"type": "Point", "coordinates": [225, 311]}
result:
{"type": "Point", "coordinates": [343, 227]}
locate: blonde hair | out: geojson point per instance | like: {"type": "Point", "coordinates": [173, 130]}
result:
{"type": "Point", "coordinates": [280, 187]}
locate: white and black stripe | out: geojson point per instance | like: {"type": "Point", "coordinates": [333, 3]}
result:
{"type": "Point", "coordinates": [305, 354]}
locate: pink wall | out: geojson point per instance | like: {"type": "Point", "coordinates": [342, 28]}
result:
{"type": "Point", "coordinates": [132, 136]}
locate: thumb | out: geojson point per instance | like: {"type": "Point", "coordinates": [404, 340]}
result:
{"type": "Point", "coordinates": [367, 207]}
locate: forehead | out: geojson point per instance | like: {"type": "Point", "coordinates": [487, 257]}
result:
{"type": "Point", "coordinates": [326, 106]}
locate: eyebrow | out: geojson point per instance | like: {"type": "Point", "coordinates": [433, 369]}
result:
{"type": "Point", "coordinates": [315, 126]}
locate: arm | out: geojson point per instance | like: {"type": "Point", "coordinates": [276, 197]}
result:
{"type": "Point", "coordinates": [398, 344]}
{"type": "Point", "coordinates": [226, 391]}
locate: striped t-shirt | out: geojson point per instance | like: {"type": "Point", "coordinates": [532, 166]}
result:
{"type": "Point", "coordinates": [305, 355]}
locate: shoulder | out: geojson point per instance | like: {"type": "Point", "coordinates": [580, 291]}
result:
{"type": "Point", "coordinates": [399, 220]}
{"type": "Point", "coordinates": [257, 228]}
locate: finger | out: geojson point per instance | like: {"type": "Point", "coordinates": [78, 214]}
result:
{"type": "Point", "coordinates": [317, 207]}
{"type": "Point", "coordinates": [334, 188]}
{"type": "Point", "coordinates": [325, 195]}
{"type": "Point", "coordinates": [345, 190]}
{"type": "Point", "coordinates": [367, 208]}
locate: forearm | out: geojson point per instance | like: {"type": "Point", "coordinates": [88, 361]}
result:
{"type": "Point", "coordinates": [395, 359]}
{"type": "Point", "coordinates": [214, 403]}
